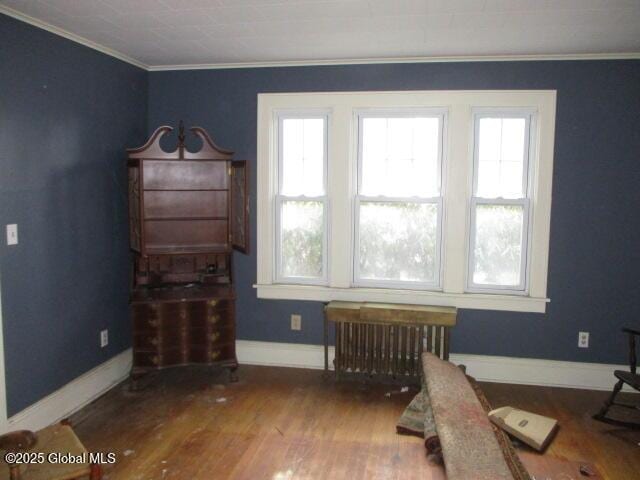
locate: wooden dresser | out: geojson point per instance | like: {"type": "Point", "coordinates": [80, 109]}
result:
{"type": "Point", "coordinates": [188, 211]}
{"type": "Point", "coordinates": [183, 325]}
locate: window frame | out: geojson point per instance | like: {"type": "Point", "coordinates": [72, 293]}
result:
{"type": "Point", "coordinates": [521, 288]}
{"type": "Point", "coordinates": [457, 177]}
{"type": "Point", "coordinates": [529, 116]}
{"type": "Point", "coordinates": [279, 198]}
{"type": "Point", "coordinates": [406, 112]}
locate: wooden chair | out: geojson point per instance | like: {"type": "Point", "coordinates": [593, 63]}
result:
{"type": "Point", "coordinates": [60, 439]}
{"type": "Point", "coordinates": [630, 378]}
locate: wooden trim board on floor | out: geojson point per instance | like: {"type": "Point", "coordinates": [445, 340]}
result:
{"type": "Point", "coordinates": [486, 368]}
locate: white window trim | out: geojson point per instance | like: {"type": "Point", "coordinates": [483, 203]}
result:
{"type": "Point", "coordinates": [359, 114]}
{"type": "Point", "coordinates": [529, 115]}
{"type": "Point", "coordinates": [456, 186]}
{"type": "Point", "coordinates": [279, 116]}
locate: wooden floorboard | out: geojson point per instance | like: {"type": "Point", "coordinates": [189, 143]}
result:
{"type": "Point", "coordinates": [282, 423]}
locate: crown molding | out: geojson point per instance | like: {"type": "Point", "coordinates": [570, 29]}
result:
{"type": "Point", "coordinates": [70, 36]}
{"type": "Point", "coordinates": [386, 60]}
{"type": "Point", "coordinates": [312, 63]}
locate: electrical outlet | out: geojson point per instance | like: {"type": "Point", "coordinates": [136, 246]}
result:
{"type": "Point", "coordinates": [296, 322]}
{"type": "Point", "coordinates": [583, 339]}
{"type": "Point", "coordinates": [12, 234]}
{"type": "Point", "coordinates": [104, 338]}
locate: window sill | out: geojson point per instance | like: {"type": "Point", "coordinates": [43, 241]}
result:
{"type": "Point", "coordinates": [479, 301]}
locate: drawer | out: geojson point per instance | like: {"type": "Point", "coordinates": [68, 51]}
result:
{"type": "Point", "coordinates": [160, 340]}
{"type": "Point", "coordinates": [180, 320]}
{"type": "Point", "coordinates": [145, 310]}
{"type": "Point", "coordinates": [175, 313]}
{"type": "Point", "coordinates": [217, 305]}
{"type": "Point", "coordinates": [162, 316]}
{"type": "Point", "coordinates": [156, 323]}
{"type": "Point", "coordinates": [160, 359]}
{"type": "Point", "coordinates": [214, 320]}
{"type": "Point", "coordinates": [213, 336]}
{"type": "Point", "coordinates": [146, 323]}
{"type": "Point", "coordinates": [213, 354]}
{"type": "Point", "coordinates": [180, 311]}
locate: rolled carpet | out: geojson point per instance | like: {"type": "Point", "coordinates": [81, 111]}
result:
{"type": "Point", "coordinates": [455, 393]}
{"type": "Point", "coordinates": [467, 438]}
{"type": "Point", "coordinates": [417, 418]}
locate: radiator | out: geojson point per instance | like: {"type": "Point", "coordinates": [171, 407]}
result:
{"type": "Point", "coordinates": [383, 340]}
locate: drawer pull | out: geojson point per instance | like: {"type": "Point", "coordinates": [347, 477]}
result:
{"type": "Point", "coordinates": [213, 319]}
{"type": "Point", "coordinates": [154, 341]}
{"type": "Point", "coordinates": [155, 359]}
{"type": "Point", "coordinates": [215, 355]}
{"type": "Point", "coordinates": [154, 323]}
{"type": "Point", "coordinates": [212, 303]}
{"type": "Point", "coordinates": [214, 336]}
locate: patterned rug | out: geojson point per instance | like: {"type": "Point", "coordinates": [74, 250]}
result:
{"type": "Point", "coordinates": [418, 420]}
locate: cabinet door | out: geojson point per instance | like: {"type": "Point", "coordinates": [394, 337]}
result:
{"type": "Point", "coordinates": [135, 239]}
{"type": "Point", "coordinates": [239, 209]}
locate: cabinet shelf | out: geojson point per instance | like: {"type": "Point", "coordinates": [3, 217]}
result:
{"type": "Point", "coordinates": [186, 190]}
{"type": "Point", "coordinates": [181, 250]}
{"type": "Point", "coordinates": [192, 249]}
{"type": "Point", "coordinates": [186, 219]}
{"type": "Point", "coordinates": [182, 293]}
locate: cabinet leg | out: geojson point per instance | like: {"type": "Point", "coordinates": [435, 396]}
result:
{"type": "Point", "coordinates": [233, 376]}
{"type": "Point", "coordinates": [138, 380]}
{"type": "Point", "coordinates": [134, 383]}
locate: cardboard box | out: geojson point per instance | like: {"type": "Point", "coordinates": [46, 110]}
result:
{"type": "Point", "coordinates": [534, 430]}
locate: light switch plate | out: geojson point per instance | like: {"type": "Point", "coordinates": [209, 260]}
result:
{"type": "Point", "coordinates": [296, 322]}
{"type": "Point", "coordinates": [12, 234]}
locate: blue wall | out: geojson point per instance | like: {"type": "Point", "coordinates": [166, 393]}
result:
{"type": "Point", "coordinates": [66, 114]}
{"type": "Point", "coordinates": [595, 226]}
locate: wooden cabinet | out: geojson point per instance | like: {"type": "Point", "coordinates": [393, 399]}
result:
{"type": "Point", "coordinates": [181, 325]}
{"type": "Point", "coordinates": [188, 211]}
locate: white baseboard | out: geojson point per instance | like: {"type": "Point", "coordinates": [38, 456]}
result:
{"type": "Point", "coordinates": [295, 355]}
{"type": "Point", "coordinates": [487, 368]}
{"type": "Point", "coordinates": [533, 371]}
{"type": "Point", "coordinates": [89, 386]}
{"type": "Point", "coordinates": [74, 395]}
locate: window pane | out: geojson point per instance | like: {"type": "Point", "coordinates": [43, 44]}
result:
{"type": "Point", "coordinates": [301, 238]}
{"type": "Point", "coordinates": [400, 157]}
{"type": "Point", "coordinates": [303, 156]}
{"type": "Point", "coordinates": [501, 150]}
{"type": "Point", "coordinates": [398, 241]}
{"type": "Point", "coordinates": [498, 245]}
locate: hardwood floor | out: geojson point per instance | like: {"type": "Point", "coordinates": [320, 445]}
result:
{"type": "Point", "coordinates": [280, 423]}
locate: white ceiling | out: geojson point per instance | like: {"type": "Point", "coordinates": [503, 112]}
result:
{"type": "Point", "coordinates": [188, 32]}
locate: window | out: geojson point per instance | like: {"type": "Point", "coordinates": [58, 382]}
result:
{"type": "Point", "coordinates": [398, 203]}
{"type": "Point", "coordinates": [301, 203]}
{"type": "Point", "coordinates": [435, 198]}
{"type": "Point", "coordinates": [500, 202]}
